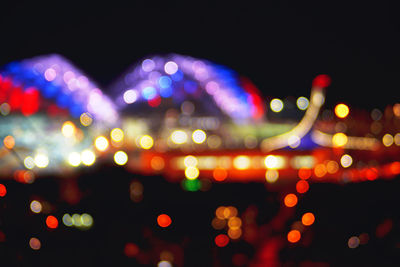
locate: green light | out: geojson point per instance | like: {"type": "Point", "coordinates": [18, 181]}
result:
{"type": "Point", "coordinates": [191, 185]}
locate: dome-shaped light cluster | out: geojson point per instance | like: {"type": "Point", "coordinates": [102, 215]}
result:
{"type": "Point", "coordinates": [55, 78]}
{"type": "Point", "coordinates": [178, 77]}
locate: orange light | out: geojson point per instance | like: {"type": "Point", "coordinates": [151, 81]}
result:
{"type": "Point", "coordinates": [3, 190]}
{"type": "Point", "coordinates": [320, 170]}
{"type": "Point", "coordinates": [221, 240]}
{"type": "Point", "coordinates": [9, 142]}
{"type": "Point", "coordinates": [302, 186]}
{"type": "Point", "coordinates": [341, 111]}
{"type": "Point", "coordinates": [51, 222]}
{"type": "Point", "coordinates": [290, 200]}
{"type": "Point", "coordinates": [395, 167]}
{"type": "Point", "coordinates": [372, 174]}
{"type": "Point", "coordinates": [131, 250]}
{"type": "Point", "coordinates": [304, 173]}
{"type": "Point", "coordinates": [220, 174]}
{"type": "Point", "coordinates": [164, 220]}
{"type": "Point", "coordinates": [308, 219]}
{"type": "Point", "coordinates": [293, 236]}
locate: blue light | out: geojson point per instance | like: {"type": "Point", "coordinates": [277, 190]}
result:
{"type": "Point", "coordinates": [49, 90]}
{"type": "Point", "coordinates": [177, 76]}
{"type": "Point", "coordinates": [190, 87]}
{"type": "Point", "coordinates": [164, 82]}
{"type": "Point", "coordinates": [149, 93]}
{"type": "Point", "coordinates": [63, 100]}
{"type": "Point", "coordinates": [166, 92]}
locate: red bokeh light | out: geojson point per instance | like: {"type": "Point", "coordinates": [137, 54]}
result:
{"type": "Point", "coordinates": [3, 190]}
{"type": "Point", "coordinates": [164, 220]}
{"type": "Point", "coordinates": [221, 240]}
{"type": "Point", "coordinates": [51, 222]}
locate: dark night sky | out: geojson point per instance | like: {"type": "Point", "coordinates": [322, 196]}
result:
{"type": "Point", "coordinates": [280, 46]}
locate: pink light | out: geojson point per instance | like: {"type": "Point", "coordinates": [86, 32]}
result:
{"type": "Point", "coordinates": [50, 74]}
{"type": "Point", "coordinates": [170, 67]}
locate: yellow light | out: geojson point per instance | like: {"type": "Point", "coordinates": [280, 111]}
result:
{"type": "Point", "coordinates": [41, 160]}
{"type": "Point", "coordinates": [241, 162]}
{"type": "Point", "coordinates": [339, 139]}
{"type": "Point", "coordinates": [146, 142]}
{"type": "Point", "coordinates": [74, 159]}
{"type": "Point", "coordinates": [86, 119]}
{"type": "Point", "coordinates": [190, 161]}
{"type": "Point", "coordinates": [88, 157]}
{"type": "Point", "coordinates": [302, 103]}
{"type": "Point", "coordinates": [178, 137]}
{"type": "Point", "coordinates": [192, 173]}
{"type": "Point", "coordinates": [346, 161]}
{"type": "Point", "coordinates": [29, 162]}
{"type": "Point", "coordinates": [199, 136]}
{"type": "Point", "coordinates": [68, 129]}
{"type": "Point", "coordinates": [87, 220]}
{"type": "Point", "coordinates": [387, 140]}
{"type": "Point", "coordinates": [341, 111]}
{"type": "Point", "coordinates": [397, 139]}
{"type": "Point", "coordinates": [271, 176]}
{"type": "Point", "coordinates": [234, 222]}
{"type": "Point", "coordinates": [117, 135]}
{"type": "Point", "coordinates": [120, 157]}
{"type": "Point", "coordinates": [101, 143]}
{"type": "Point", "coordinates": [36, 206]}
{"type": "Point", "coordinates": [274, 162]}
{"type": "Point", "coordinates": [76, 220]}
{"type": "Point", "coordinates": [276, 105]}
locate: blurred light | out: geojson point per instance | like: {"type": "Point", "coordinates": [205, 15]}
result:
{"type": "Point", "coordinates": [271, 176]}
{"type": "Point", "coordinates": [146, 142]}
{"type": "Point", "coordinates": [88, 157]}
{"type": "Point", "coordinates": [341, 111]}
{"type": "Point", "coordinates": [241, 162]}
{"type": "Point", "coordinates": [294, 141]}
{"type": "Point", "coordinates": [5, 109]}
{"type": "Point", "coordinates": [221, 240]}
{"type": "Point", "coordinates": [117, 134]}
{"type": "Point", "coordinates": [214, 141]}
{"type": "Point", "coordinates": [29, 162]}
{"type": "Point", "coordinates": [220, 174]}
{"type": "Point", "coordinates": [376, 114]}
{"type": "Point", "coordinates": [67, 220]}
{"type": "Point", "coordinates": [130, 96]}
{"type": "Point", "coordinates": [35, 206]}
{"type": "Point", "coordinates": [9, 142]}
{"type": "Point", "coordinates": [320, 170]}
{"type": "Point", "coordinates": [339, 139]}
{"type": "Point", "coordinates": [276, 105]}
{"type": "Point", "coordinates": [178, 137]}
{"type": "Point", "coordinates": [219, 212]}
{"type": "Point", "coordinates": [234, 233]}
{"type": "Point", "coordinates": [86, 119]}
{"type": "Point", "coordinates": [387, 140]}
{"type": "Point", "coordinates": [164, 264]}
{"type": "Point", "coordinates": [50, 74]}
{"type": "Point", "coordinates": [397, 139]}
{"type": "Point", "coordinates": [34, 243]}
{"type": "Point", "coordinates": [157, 163]}
{"type": "Point", "coordinates": [396, 109]}
{"type": "Point", "coordinates": [346, 161]}
{"type": "Point", "coordinates": [51, 222]}
{"type": "Point", "coordinates": [190, 161]}
{"type": "Point", "coordinates": [74, 159]}
{"type": "Point", "coordinates": [353, 242]}
{"type": "Point", "coordinates": [170, 67]}
{"type": "Point", "coordinates": [229, 212]}
{"type": "Point", "coordinates": [293, 236]}
{"type": "Point", "coordinates": [199, 136]}
{"type": "Point", "coordinates": [148, 65]}
{"type": "Point", "coordinates": [101, 143]}
{"type": "Point", "coordinates": [120, 157]}
{"type": "Point", "coordinates": [304, 173]}
{"type": "Point", "coordinates": [302, 103]}
{"type": "Point", "coordinates": [41, 160]}
{"type": "Point", "coordinates": [3, 190]}
{"type": "Point", "coordinates": [76, 220]}
{"type": "Point", "coordinates": [274, 162]}
{"type": "Point", "coordinates": [308, 219]}
{"type": "Point", "coordinates": [68, 129]}
{"type": "Point", "coordinates": [290, 200]}
{"type": "Point", "coordinates": [191, 173]}
{"type": "Point", "coordinates": [332, 166]}
{"type": "Point", "coordinates": [87, 220]}
{"type": "Point", "coordinates": [218, 223]}
{"type": "Point", "coordinates": [302, 186]}
{"type": "Point", "coordinates": [131, 250]}
{"type": "Point", "coordinates": [234, 222]}
{"type": "Point", "coordinates": [163, 220]}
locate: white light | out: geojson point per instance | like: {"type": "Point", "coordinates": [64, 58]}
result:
{"type": "Point", "coordinates": [87, 220]}
{"type": "Point", "coordinates": [170, 67]}
{"type": "Point", "coordinates": [35, 206]}
{"type": "Point", "coordinates": [101, 143]}
{"type": "Point", "coordinates": [67, 220]}
{"type": "Point", "coordinates": [120, 157]}
{"type": "Point", "coordinates": [302, 103]}
{"type": "Point", "coordinates": [271, 176]}
{"type": "Point", "coordinates": [164, 264]}
{"type": "Point", "coordinates": [41, 160]}
{"type": "Point", "coordinates": [294, 141]}
{"type": "Point", "coordinates": [130, 96]}
{"type": "Point", "coordinates": [74, 159]}
{"type": "Point", "coordinates": [88, 157]}
{"type": "Point", "coordinates": [178, 137]}
{"type": "Point", "coordinates": [199, 136]}
{"type": "Point", "coordinates": [29, 162]}
{"type": "Point", "coordinates": [346, 161]}
{"type": "Point", "coordinates": [276, 105]}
